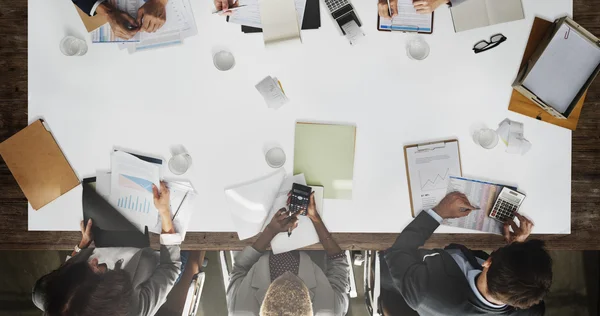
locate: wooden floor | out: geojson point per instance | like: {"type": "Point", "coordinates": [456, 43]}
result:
{"type": "Point", "coordinates": [585, 218]}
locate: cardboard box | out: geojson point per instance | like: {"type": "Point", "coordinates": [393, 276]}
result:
{"type": "Point", "coordinates": [523, 81]}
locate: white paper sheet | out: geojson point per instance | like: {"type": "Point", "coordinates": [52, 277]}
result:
{"type": "Point", "coordinates": [131, 188]}
{"type": "Point", "coordinates": [353, 32]}
{"type": "Point", "coordinates": [408, 19]}
{"type": "Point", "coordinates": [429, 169]}
{"type": "Point", "coordinates": [512, 135]}
{"type": "Point", "coordinates": [271, 91]}
{"type": "Point", "coordinates": [482, 195]}
{"type": "Point", "coordinates": [251, 202]}
{"type": "Point", "coordinates": [279, 21]}
{"type": "Point", "coordinates": [564, 67]}
{"type": "Point", "coordinates": [250, 14]}
{"type": "Point", "coordinates": [481, 13]}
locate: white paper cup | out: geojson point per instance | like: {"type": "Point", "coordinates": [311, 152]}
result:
{"type": "Point", "coordinates": [275, 157]}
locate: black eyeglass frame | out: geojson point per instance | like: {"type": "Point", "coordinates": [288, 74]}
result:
{"type": "Point", "coordinates": [491, 44]}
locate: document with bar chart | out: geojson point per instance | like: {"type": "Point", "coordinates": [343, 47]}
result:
{"type": "Point", "coordinates": [131, 188]}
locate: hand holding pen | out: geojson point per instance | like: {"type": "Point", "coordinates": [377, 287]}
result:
{"type": "Point", "coordinates": [282, 222]}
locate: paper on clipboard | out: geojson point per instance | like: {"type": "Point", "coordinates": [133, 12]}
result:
{"type": "Point", "coordinates": [428, 168]}
{"type": "Point", "coordinates": [407, 20]}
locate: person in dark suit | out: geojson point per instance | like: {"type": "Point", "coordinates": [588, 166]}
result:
{"type": "Point", "coordinates": [513, 280]}
{"type": "Point", "coordinates": [150, 17]}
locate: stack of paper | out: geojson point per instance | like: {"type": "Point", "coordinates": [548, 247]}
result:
{"type": "Point", "coordinates": [271, 90]}
{"type": "Point", "coordinates": [253, 204]}
{"type": "Point", "coordinates": [180, 24]}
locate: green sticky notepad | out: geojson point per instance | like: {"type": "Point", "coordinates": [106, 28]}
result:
{"type": "Point", "coordinates": [325, 154]}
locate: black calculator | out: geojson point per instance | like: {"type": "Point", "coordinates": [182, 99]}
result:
{"type": "Point", "coordinates": [299, 199]}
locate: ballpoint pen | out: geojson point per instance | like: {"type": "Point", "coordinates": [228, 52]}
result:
{"type": "Point", "coordinates": [230, 9]}
{"type": "Point", "coordinates": [389, 8]}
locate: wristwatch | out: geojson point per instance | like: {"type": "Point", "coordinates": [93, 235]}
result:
{"type": "Point", "coordinates": [77, 249]}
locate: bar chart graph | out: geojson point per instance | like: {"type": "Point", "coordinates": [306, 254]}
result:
{"type": "Point", "coordinates": [135, 203]}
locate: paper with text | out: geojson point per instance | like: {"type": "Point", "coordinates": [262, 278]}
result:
{"type": "Point", "coordinates": [408, 19]}
{"type": "Point", "coordinates": [482, 195]}
{"type": "Point", "coordinates": [131, 183]}
{"type": "Point", "coordinates": [429, 169]}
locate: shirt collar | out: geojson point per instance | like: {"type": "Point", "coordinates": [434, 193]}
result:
{"type": "Point", "coordinates": [471, 277]}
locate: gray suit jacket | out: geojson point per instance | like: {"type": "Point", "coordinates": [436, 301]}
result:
{"type": "Point", "coordinates": [153, 276]}
{"type": "Point", "coordinates": [430, 280]}
{"type": "Point", "coordinates": [250, 279]}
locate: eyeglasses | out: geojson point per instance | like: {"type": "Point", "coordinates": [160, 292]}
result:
{"type": "Point", "coordinates": [495, 40]}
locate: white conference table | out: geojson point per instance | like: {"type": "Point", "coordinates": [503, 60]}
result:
{"type": "Point", "coordinates": [150, 101]}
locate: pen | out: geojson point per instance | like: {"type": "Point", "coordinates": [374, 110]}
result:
{"type": "Point", "coordinates": [389, 8]}
{"type": "Point", "coordinates": [231, 9]}
{"type": "Point", "coordinates": [179, 207]}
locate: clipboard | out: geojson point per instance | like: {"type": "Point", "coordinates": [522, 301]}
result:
{"type": "Point", "coordinates": [38, 164]}
{"type": "Point", "coordinates": [409, 28]}
{"type": "Point", "coordinates": [430, 147]}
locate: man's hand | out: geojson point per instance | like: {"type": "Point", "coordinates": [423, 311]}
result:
{"type": "Point", "coordinates": [454, 205]}
{"type": "Point", "coordinates": [87, 236]}
{"type": "Point", "coordinates": [384, 11]}
{"type": "Point", "coordinates": [224, 5]}
{"type": "Point", "coordinates": [428, 6]}
{"type": "Point", "coordinates": [162, 199]}
{"type": "Point", "coordinates": [121, 23]}
{"type": "Point", "coordinates": [281, 222]}
{"type": "Point", "coordinates": [519, 234]}
{"type": "Point", "coordinates": [152, 15]}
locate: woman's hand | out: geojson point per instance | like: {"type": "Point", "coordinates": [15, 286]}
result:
{"type": "Point", "coordinates": [281, 222]}
{"type": "Point", "coordinates": [87, 236]}
{"type": "Point", "coordinates": [312, 213]}
{"type": "Point", "coordinates": [162, 198]}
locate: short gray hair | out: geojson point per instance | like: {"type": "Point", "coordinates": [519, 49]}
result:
{"type": "Point", "coordinates": [287, 296]}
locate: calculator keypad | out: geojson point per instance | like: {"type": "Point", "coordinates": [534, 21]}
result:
{"type": "Point", "coordinates": [335, 5]}
{"type": "Point", "coordinates": [503, 210]}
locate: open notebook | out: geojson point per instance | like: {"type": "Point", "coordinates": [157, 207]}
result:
{"type": "Point", "coordinates": [480, 13]}
{"type": "Point", "coordinates": [252, 205]}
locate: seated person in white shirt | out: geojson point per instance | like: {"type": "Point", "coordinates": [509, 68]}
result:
{"type": "Point", "coordinates": [291, 283]}
{"type": "Point", "coordinates": [150, 17]}
{"type": "Point", "coordinates": [114, 281]}
{"type": "Point", "coordinates": [422, 6]}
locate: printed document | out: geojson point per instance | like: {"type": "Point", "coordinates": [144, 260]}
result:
{"type": "Point", "coordinates": [408, 19]}
{"type": "Point", "coordinates": [131, 183]}
{"type": "Point", "coordinates": [429, 169]}
{"type": "Point", "coordinates": [482, 195]}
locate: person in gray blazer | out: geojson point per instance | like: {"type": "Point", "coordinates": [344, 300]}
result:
{"type": "Point", "coordinates": [422, 6]}
{"type": "Point", "coordinates": [513, 280]}
{"type": "Point", "coordinates": [262, 283]}
{"type": "Point", "coordinates": [114, 281]}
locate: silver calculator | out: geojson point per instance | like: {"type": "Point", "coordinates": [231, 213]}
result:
{"type": "Point", "coordinates": [506, 205]}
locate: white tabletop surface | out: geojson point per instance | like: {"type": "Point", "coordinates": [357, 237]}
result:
{"type": "Point", "coordinates": [150, 101]}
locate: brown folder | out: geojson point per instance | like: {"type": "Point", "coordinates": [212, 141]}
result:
{"type": "Point", "coordinates": [38, 164]}
{"type": "Point", "coordinates": [91, 22]}
{"type": "Point", "coordinates": [520, 104]}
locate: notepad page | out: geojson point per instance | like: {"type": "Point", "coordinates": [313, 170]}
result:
{"type": "Point", "coordinates": [501, 11]}
{"type": "Point", "coordinates": [279, 21]}
{"type": "Point", "coordinates": [249, 15]}
{"type": "Point", "coordinates": [407, 19]}
{"type": "Point", "coordinates": [470, 15]}
{"type": "Point", "coordinates": [567, 63]}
